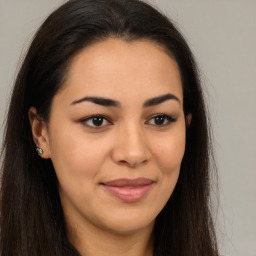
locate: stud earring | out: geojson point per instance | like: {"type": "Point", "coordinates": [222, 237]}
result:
{"type": "Point", "coordinates": [39, 151]}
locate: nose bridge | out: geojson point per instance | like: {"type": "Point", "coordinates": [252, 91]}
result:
{"type": "Point", "coordinates": [134, 138]}
{"type": "Point", "coordinates": [131, 146]}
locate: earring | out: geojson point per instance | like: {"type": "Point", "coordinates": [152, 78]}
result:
{"type": "Point", "coordinates": [39, 151]}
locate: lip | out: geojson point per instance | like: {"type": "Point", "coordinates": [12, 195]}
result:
{"type": "Point", "coordinates": [129, 190]}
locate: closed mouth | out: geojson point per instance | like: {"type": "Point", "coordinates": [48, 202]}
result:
{"type": "Point", "coordinates": [128, 190]}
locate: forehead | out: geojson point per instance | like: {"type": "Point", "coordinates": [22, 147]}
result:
{"type": "Point", "coordinates": [116, 68]}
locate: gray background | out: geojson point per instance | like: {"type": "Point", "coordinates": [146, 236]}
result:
{"type": "Point", "coordinates": [222, 35]}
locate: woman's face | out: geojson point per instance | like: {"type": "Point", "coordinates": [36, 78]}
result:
{"type": "Point", "coordinates": [116, 135]}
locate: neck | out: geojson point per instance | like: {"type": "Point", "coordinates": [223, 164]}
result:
{"type": "Point", "coordinates": [93, 241]}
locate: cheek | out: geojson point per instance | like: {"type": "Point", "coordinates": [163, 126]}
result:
{"type": "Point", "coordinates": [75, 156]}
{"type": "Point", "coordinates": [169, 152]}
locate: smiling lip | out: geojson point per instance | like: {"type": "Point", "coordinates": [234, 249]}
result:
{"type": "Point", "coordinates": [129, 190]}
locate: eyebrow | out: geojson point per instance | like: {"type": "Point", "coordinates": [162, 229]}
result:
{"type": "Point", "coordinates": [160, 99]}
{"type": "Point", "coordinates": [99, 100]}
{"type": "Point", "coordinates": [113, 103]}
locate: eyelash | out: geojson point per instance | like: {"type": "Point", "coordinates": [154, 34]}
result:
{"type": "Point", "coordinates": [167, 120]}
{"type": "Point", "coordinates": [85, 121]}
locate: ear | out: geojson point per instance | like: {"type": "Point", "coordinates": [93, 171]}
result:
{"type": "Point", "coordinates": [188, 119]}
{"type": "Point", "coordinates": [39, 132]}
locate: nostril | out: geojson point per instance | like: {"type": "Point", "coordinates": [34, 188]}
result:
{"type": "Point", "coordinates": [133, 163]}
{"type": "Point", "coordinates": [132, 151]}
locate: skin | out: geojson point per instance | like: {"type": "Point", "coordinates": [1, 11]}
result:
{"type": "Point", "coordinates": [128, 144]}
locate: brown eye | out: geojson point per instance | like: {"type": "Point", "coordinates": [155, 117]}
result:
{"type": "Point", "coordinates": [96, 121]}
{"type": "Point", "coordinates": [161, 120]}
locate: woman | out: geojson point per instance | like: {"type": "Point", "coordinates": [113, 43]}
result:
{"type": "Point", "coordinates": [107, 149]}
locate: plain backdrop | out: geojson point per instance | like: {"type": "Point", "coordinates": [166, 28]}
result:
{"type": "Point", "coordinates": [222, 35]}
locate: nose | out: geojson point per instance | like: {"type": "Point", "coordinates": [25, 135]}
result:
{"type": "Point", "coordinates": [131, 147]}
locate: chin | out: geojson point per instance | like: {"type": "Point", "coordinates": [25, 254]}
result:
{"type": "Point", "coordinates": [126, 225]}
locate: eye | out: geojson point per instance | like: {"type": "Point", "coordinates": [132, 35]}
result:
{"type": "Point", "coordinates": [161, 120]}
{"type": "Point", "coordinates": [96, 121]}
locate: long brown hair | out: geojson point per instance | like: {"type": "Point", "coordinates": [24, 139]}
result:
{"type": "Point", "coordinates": [32, 221]}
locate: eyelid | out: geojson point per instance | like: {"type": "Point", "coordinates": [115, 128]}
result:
{"type": "Point", "coordinates": [85, 120]}
{"type": "Point", "coordinates": [169, 118]}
